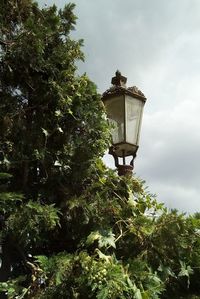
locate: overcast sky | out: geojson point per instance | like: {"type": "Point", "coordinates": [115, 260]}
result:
{"type": "Point", "coordinates": [156, 44]}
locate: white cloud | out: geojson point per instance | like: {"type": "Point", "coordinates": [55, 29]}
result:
{"type": "Point", "coordinates": [156, 45]}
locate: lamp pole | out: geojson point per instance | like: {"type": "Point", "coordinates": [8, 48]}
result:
{"type": "Point", "coordinates": [124, 107]}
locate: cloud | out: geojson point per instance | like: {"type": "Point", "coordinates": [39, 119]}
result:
{"type": "Point", "coordinates": [156, 45]}
{"type": "Point", "coordinates": [169, 153]}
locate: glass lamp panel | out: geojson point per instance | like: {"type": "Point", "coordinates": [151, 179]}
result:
{"type": "Point", "coordinates": [134, 109]}
{"type": "Point", "coordinates": [116, 111]}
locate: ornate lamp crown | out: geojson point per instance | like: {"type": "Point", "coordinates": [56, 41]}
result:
{"type": "Point", "coordinates": [119, 86]}
{"type": "Point", "coordinates": [119, 80]}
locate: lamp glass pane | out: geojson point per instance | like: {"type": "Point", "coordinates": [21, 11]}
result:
{"type": "Point", "coordinates": [134, 109]}
{"type": "Point", "coordinates": [116, 110]}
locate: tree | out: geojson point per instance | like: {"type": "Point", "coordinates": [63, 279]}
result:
{"type": "Point", "coordinates": [52, 123]}
{"type": "Point", "coordinates": [70, 227]}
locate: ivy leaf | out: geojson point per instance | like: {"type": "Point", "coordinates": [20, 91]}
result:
{"type": "Point", "coordinates": [105, 238]}
{"type": "Point", "coordinates": [185, 270]}
{"type": "Point", "coordinates": [6, 161]}
{"type": "Point", "coordinates": [45, 132]}
{"type": "Point", "coordinates": [58, 113]}
{"type": "Point", "coordinates": [57, 163]}
{"type": "Point", "coordinates": [93, 236]}
{"type": "Point", "coordinates": [131, 201]}
{"type": "Point", "coordinates": [102, 256]}
{"type": "Point", "coordinates": [60, 130]}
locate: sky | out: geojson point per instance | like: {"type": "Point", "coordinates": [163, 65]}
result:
{"type": "Point", "coordinates": [156, 45]}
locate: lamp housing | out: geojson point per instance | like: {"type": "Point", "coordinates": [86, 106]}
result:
{"type": "Point", "coordinates": [124, 107]}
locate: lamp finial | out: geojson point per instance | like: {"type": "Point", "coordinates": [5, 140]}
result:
{"type": "Point", "coordinates": [119, 80]}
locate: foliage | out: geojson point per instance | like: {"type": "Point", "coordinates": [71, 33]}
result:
{"type": "Point", "coordinates": [70, 227]}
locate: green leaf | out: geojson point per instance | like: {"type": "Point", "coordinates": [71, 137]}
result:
{"type": "Point", "coordinates": [166, 271]}
{"type": "Point", "coordinates": [58, 113]}
{"type": "Point", "coordinates": [45, 132]}
{"type": "Point", "coordinates": [4, 176]}
{"type": "Point", "coordinates": [60, 130]}
{"type": "Point", "coordinates": [185, 270]}
{"type": "Point", "coordinates": [93, 236]}
{"type": "Point", "coordinates": [106, 239]}
{"type": "Point", "coordinates": [137, 293]}
{"type": "Point", "coordinates": [103, 256]}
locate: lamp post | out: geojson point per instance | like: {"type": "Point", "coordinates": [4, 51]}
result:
{"type": "Point", "coordinates": [124, 107]}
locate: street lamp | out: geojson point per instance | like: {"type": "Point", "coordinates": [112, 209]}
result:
{"type": "Point", "coordinates": [124, 107]}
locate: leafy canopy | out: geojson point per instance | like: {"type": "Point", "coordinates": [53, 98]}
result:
{"type": "Point", "coordinates": [70, 227]}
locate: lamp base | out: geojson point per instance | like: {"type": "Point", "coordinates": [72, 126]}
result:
{"type": "Point", "coordinates": [126, 170]}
